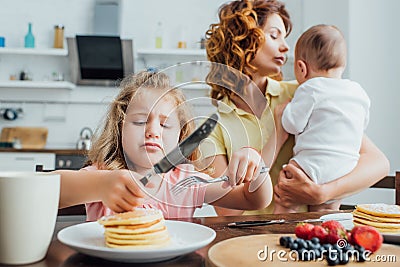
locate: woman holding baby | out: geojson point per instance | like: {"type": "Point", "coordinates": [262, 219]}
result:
{"type": "Point", "coordinates": [250, 39]}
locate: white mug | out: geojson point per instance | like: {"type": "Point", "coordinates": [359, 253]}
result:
{"type": "Point", "coordinates": [28, 213]}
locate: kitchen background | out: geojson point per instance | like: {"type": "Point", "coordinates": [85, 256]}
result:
{"type": "Point", "coordinates": [370, 27]}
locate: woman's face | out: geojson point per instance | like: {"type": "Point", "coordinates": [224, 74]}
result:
{"type": "Point", "coordinates": [151, 128]}
{"type": "Point", "coordinates": [271, 56]}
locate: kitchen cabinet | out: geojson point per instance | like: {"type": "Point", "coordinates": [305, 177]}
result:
{"type": "Point", "coordinates": [172, 52]}
{"type": "Point", "coordinates": [37, 84]}
{"type": "Point", "coordinates": [167, 58]}
{"type": "Point", "coordinates": [34, 51]}
{"type": "Point", "coordinates": [26, 161]}
{"type": "Point", "coordinates": [40, 63]}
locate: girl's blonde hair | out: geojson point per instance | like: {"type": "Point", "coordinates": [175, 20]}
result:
{"type": "Point", "coordinates": [107, 151]}
{"type": "Point", "coordinates": [235, 40]}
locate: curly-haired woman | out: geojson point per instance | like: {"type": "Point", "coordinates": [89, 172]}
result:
{"type": "Point", "coordinates": [250, 38]}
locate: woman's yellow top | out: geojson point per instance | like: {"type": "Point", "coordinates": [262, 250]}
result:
{"type": "Point", "coordinates": [237, 128]}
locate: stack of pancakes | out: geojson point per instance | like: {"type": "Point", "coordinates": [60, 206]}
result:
{"type": "Point", "coordinates": [140, 228]}
{"type": "Point", "coordinates": [385, 218]}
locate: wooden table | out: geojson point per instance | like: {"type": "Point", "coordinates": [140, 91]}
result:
{"type": "Point", "coordinates": [62, 256]}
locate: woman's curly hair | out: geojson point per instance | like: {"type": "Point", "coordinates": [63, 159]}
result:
{"type": "Point", "coordinates": [235, 40]}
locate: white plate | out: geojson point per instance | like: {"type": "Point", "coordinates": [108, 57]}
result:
{"type": "Point", "coordinates": [88, 238]}
{"type": "Point", "coordinates": [346, 219]}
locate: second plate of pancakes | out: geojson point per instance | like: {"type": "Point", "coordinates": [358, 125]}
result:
{"type": "Point", "coordinates": [185, 237]}
{"type": "Point", "coordinates": [384, 217]}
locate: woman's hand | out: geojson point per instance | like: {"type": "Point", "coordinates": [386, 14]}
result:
{"type": "Point", "coordinates": [281, 134]}
{"type": "Point", "coordinates": [294, 188]}
{"type": "Point", "coordinates": [119, 191]}
{"type": "Point", "coordinates": [244, 166]}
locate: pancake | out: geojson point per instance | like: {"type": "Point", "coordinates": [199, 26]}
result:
{"type": "Point", "coordinates": [137, 229]}
{"type": "Point", "coordinates": [381, 230]}
{"type": "Point", "coordinates": [384, 217]}
{"type": "Point", "coordinates": [361, 215]}
{"type": "Point", "coordinates": [377, 224]}
{"type": "Point", "coordinates": [380, 210]}
{"type": "Point", "coordinates": [143, 236]}
{"type": "Point", "coordinates": [135, 217]}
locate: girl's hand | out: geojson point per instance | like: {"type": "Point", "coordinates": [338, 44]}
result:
{"type": "Point", "coordinates": [120, 192]}
{"type": "Point", "coordinates": [295, 188]}
{"type": "Point", "coordinates": [244, 166]}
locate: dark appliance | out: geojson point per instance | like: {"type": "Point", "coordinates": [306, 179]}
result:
{"type": "Point", "coordinates": [99, 60]}
{"type": "Point", "coordinates": [69, 162]}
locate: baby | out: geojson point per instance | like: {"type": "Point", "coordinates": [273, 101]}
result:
{"type": "Point", "coordinates": [328, 114]}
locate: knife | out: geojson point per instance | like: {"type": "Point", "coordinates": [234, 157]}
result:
{"type": "Point", "coordinates": [269, 222]}
{"type": "Point", "coordinates": [183, 150]}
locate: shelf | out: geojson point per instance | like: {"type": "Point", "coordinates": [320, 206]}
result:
{"type": "Point", "coordinates": [37, 84]}
{"type": "Point", "coordinates": [172, 52]}
{"type": "Point", "coordinates": [34, 51]}
{"type": "Point", "coordinates": [194, 86]}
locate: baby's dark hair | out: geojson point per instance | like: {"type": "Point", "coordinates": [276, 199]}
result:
{"type": "Point", "coordinates": [322, 47]}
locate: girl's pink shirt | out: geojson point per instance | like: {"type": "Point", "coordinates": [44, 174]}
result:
{"type": "Point", "coordinates": [182, 205]}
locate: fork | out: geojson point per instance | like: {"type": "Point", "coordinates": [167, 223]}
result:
{"type": "Point", "coordinates": [193, 180]}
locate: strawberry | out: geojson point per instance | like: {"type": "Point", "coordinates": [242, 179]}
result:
{"type": "Point", "coordinates": [349, 238]}
{"type": "Point", "coordinates": [333, 225]}
{"type": "Point", "coordinates": [319, 232]}
{"type": "Point", "coordinates": [367, 237]}
{"type": "Point", "coordinates": [335, 231]}
{"type": "Point", "coordinates": [303, 230]}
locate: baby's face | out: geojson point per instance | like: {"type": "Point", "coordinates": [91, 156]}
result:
{"type": "Point", "coordinates": [151, 128]}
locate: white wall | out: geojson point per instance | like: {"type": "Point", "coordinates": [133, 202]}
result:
{"type": "Point", "coordinates": [375, 63]}
{"type": "Point", "coordinates": [327, 12]}
{"type": "Point", "coordinates": [76, 15]}
{"type": "Point", "coordinates": [139, 20]}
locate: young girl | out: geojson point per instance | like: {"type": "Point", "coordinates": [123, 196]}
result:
{"type": "Point", "coordinates": [145, 122]}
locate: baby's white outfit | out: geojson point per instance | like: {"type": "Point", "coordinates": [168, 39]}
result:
{"type": "Point", "coordinates": [328, 118]}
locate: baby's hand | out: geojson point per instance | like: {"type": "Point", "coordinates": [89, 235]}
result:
{"type": "Point", "coordinates": [119, 190]}
{"type": "Point", "coordinates": [244, 166]}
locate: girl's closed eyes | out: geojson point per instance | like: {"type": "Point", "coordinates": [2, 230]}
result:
{"type": "Point", "coordinates": [139, 123]}
{"type": "Point", "coordinates": [163, 123]}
